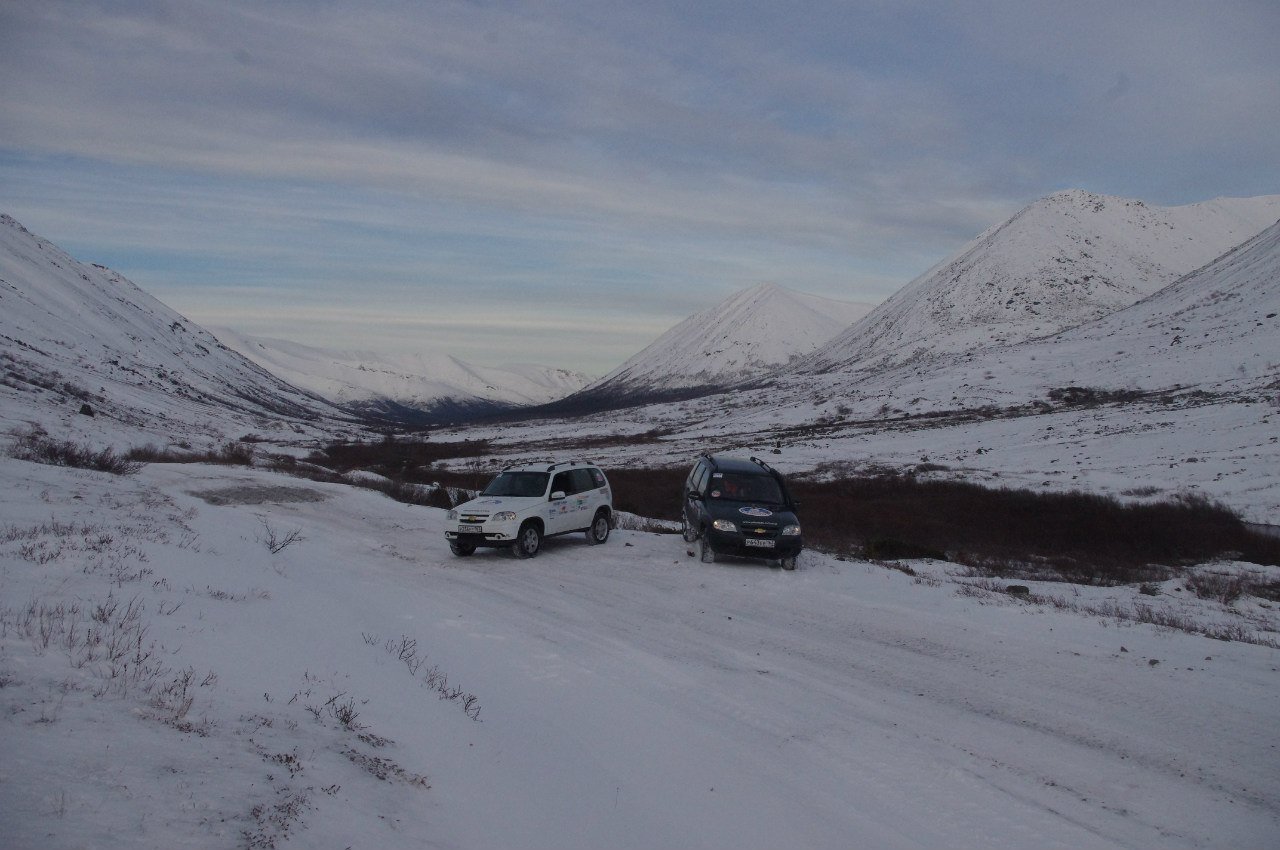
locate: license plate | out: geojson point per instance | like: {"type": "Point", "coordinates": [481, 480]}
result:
{"type": "Point", "coordinates": [760, 544]}
{"type": "Point", "coordinates": [469, 529]}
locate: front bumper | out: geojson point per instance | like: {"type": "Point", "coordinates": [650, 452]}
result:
{"type": "Point", "coordinates": [736, 543]}
{"type": "Point", "coordinates": [490, 534]}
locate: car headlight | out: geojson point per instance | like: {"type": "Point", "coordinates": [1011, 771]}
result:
{"type": "Point", "coordinates": [451, 516]}
{"type": "Point", "coordinates": [791, 531]}
{"type": "Point", "coordinates": [504, 516]}
{"type": "Point", "coordinates": [724, 525]}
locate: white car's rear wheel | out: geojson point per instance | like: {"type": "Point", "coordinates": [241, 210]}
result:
{"type": "Point", "coordinates": [599, 530]}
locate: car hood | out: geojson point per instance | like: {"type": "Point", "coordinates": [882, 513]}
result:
{"type": "Point", "coordinates": [493, 504]}
{"type": "Point", "coordinates": [751, 512]}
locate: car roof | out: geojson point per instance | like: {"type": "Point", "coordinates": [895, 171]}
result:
{"type": "Point", "coordinates": [550, 467]}
{"type": "Point", "coordinates": [723, 463]}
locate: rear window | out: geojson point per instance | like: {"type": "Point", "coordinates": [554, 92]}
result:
{"type": "Point", "coordinates": [582, 481]}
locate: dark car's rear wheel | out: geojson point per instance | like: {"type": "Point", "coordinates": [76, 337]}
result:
{"type": "Point", "coordinates": [528, 541]}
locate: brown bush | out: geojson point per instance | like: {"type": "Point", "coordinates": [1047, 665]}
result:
{"type": "Point", "coordinates": [1073, 536]}
{"type": "Point", "coordinates": [401, 459]}
{"type": "Point", "coordinates": [1065, 536]}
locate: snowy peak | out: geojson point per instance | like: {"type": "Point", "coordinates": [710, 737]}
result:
{"type": "Point", "coordinates": [421, 382]}
{"type": "Point", "coordinates": [1065, 260]}
{"type": "Point", "coordinates": [743, 337]}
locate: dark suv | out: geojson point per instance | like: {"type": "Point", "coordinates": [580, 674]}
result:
{"type": "Point", "coordinates": [736, 506]}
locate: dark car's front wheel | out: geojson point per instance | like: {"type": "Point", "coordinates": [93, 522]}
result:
{"type": "Point", "coordinates": [788, 563]}
{"type": "Point", "coordinates": [688, 532]}
{"type": "Point", "coordinates": [705, 552]}
{"type": "Point", "coordinates": [528, 541]}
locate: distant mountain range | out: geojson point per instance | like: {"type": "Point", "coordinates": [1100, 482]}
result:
{"type": "Point", "coordinates": [406, 387]}
{"type": "Point", "coordinates": [80, 336]}
{"type": "Point", "coordinates": [1071, 271]}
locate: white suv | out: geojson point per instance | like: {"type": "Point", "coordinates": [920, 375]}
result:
{"type": "Point", "coordinates": [524, 504]}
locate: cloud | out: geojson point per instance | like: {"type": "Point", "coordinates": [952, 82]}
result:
{"type": "Point", "coordinates": [646, 158]}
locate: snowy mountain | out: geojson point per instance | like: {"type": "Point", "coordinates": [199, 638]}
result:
{"type": "Point", "coordinates": [1215, 331]}
{"type": "Point", "coordinates": [740, 339]}
{"type": "Point", "coordinates": [1062, 261]}
{"type": "Point", "coordinates": [76, 334]}
{"type": "Point", "coordinates": [404, 385]}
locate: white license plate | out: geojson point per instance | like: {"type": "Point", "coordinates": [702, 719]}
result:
{"type": "Point", "coordinates": [760, 544]}
{"type": "Point", "coordinates": [469, 529]}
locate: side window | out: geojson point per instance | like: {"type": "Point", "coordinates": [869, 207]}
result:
{"type": "Point", "coordinates": [597, 478]}
{"type": "Point", "coordinates": [700, 485]}
{"type": "Point", "coordinates": [582, 481]}
{"type": "Point", "coordinates": [563, 483]}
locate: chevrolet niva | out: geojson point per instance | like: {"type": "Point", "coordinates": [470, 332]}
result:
{"type": "Point", "coordinates": [525, 504]}
{"type": "Point", "coordinates": [736, 506]}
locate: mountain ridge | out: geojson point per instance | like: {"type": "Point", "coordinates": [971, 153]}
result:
{"type": "Point", "coordinates": [1062, 261]}
{"type": "Point", "coordinates": [741, 338]}
{"type": "Point", "coordinates": [81, 337]}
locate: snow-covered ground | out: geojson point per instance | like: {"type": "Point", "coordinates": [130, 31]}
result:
{"type": "Point", "coordinates": [623, 695]}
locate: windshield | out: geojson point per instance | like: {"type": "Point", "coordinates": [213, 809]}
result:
{"type": "Point", "coordinates": [517, 484]}
{"type": "Point", "coordinates": [746, 488]}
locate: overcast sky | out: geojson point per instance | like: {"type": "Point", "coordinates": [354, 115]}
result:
{"type": "Point", "coordinates": [560, 182]}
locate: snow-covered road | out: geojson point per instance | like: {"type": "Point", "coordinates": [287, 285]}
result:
{"type": "Point", "coordinates": [630, 695]}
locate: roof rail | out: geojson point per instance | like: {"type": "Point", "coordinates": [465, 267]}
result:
{"type": "Point", "coordinates": [568, 463]}
{"type": "Point", "coordinates": [761, 463]}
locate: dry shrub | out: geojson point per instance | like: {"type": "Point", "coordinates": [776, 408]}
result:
{"type": "Point", "coordinates": [399, 459]}
{"type": "Point", "coordinates": [36, 446]}
{"type": "Point", "coordinates": [1075, 537]}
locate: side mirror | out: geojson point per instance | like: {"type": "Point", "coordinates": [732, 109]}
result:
{"type": "Point", "coordinates": [557, 495]}
{"type": "Point", "coordinates": [694, 495]}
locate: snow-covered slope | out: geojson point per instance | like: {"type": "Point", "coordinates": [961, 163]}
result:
{"type": "Point", "coordinates": [1216, 329]}
{"type": "Point", "coordinates": [419, 382]}
{"type": "Point", "coordinates": [1064, 260]}
{"type": "Point", "coordinates": [74, 334]}
{"type": "Point", "coordinates": [739, 339]}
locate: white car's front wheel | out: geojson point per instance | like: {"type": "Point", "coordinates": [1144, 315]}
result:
{"type": "Point", "coordinates": [528, 541]}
